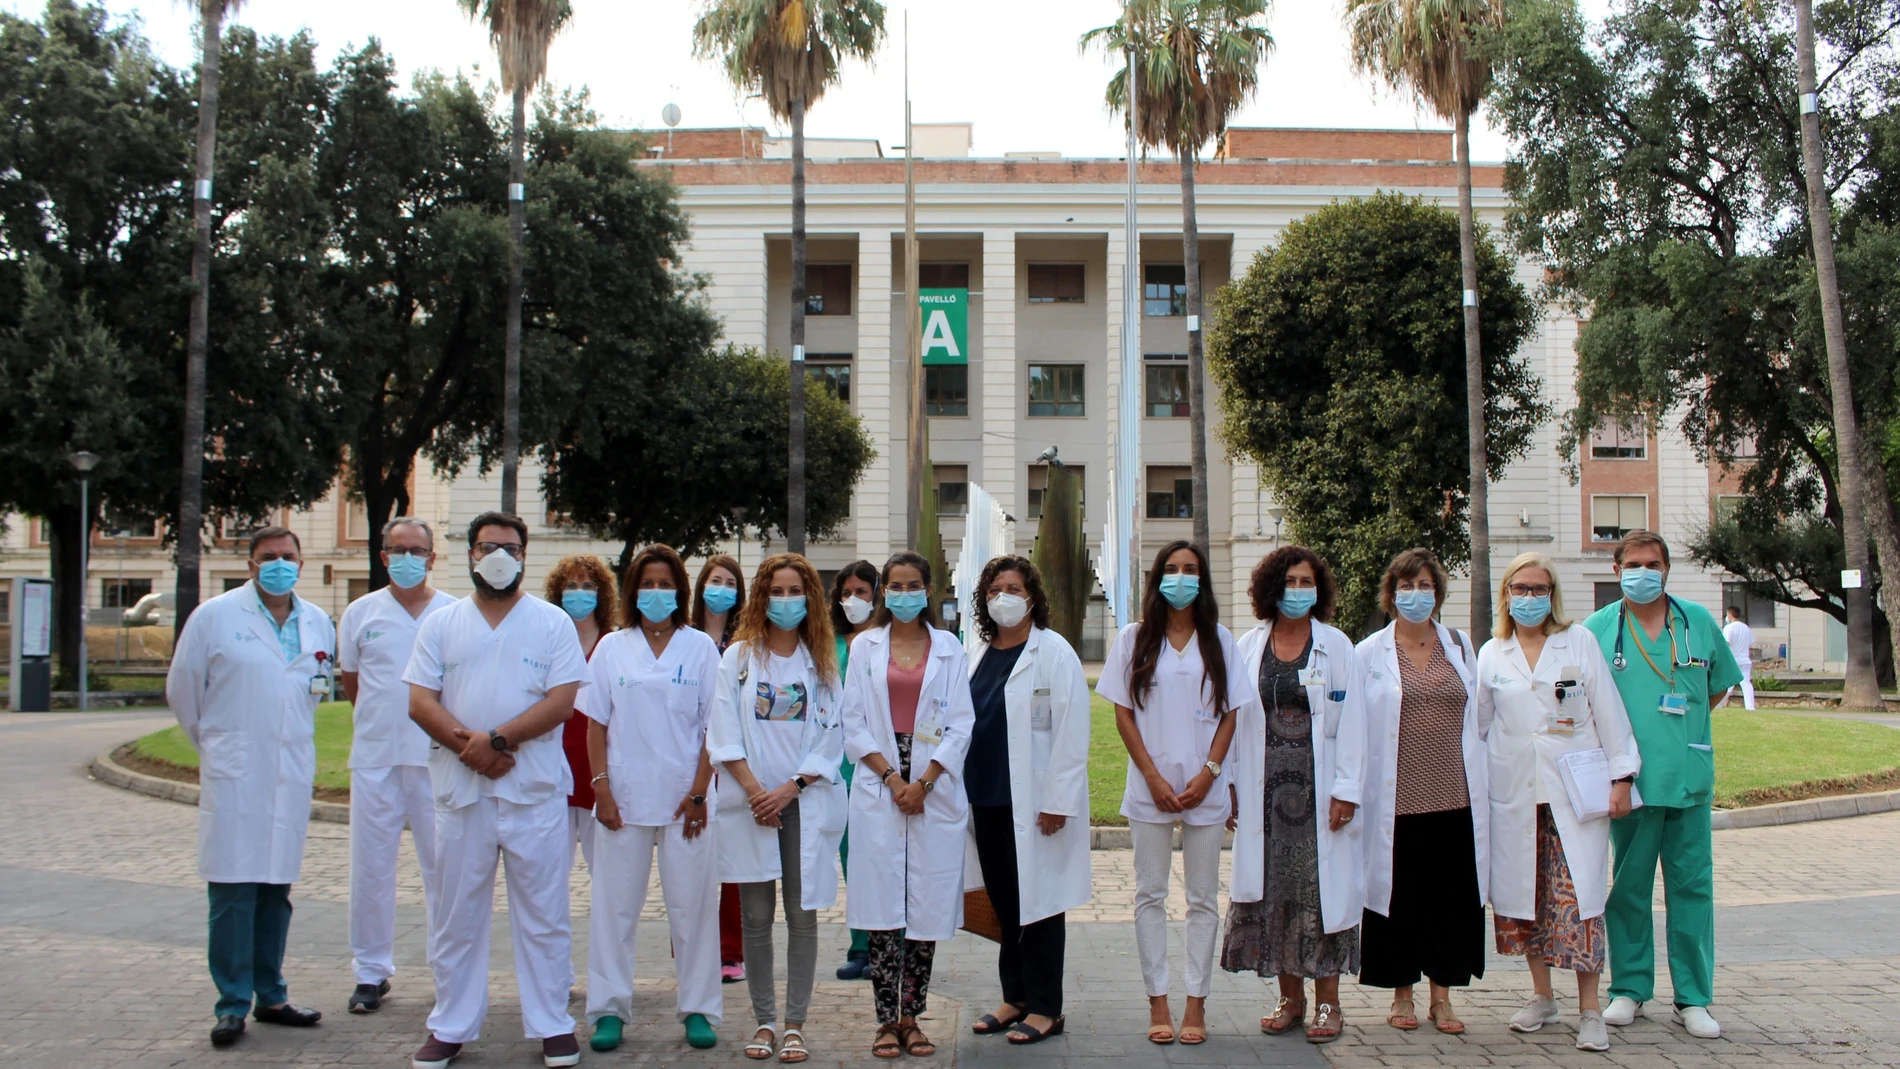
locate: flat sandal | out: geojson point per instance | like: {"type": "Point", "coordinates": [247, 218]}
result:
{"type": "Point", "coordinates": [1327, 1024]}
{"type": "Point", "coordinates": [1286, 1015]}
{"type": "Point", "coordinates": [1399, 1019]}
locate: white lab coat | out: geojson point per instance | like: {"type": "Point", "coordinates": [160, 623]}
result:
{"type": "Point", "coordinates": [1378, 662]}
{"type": "Point", "coordinates": [907, 872]}
{"type": "Point", "coordinates": [748, 852]}
{"type": "Point", "coordinates": [250, 715]}
{"type": "Point", "coordinates": [1339, 771]}
{"type": "Point", "coordinates": [1048, 773]}
{"type": "Point", "coordinates": [1515, 705]}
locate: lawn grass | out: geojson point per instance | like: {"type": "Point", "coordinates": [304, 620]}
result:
{"type": "Point", "coordinates": [333, 747]}
{"type": "Point", "coordinates": [1759, 755]}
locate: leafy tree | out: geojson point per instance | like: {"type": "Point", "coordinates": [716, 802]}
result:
{"type": "Point", "coordinates": [1430, 48]}
{"type": "Point", "coordinates": [1340, 356]}
{"type": "Point", "coordinates": [788, 51]}
{"type": "Point", "coordinates": [1196, 62]}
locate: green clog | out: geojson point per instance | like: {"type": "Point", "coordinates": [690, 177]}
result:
{"type": "Point", "coordinates": [606, 1033]}
{"type": "Point", "coordinates": [699, 1033]}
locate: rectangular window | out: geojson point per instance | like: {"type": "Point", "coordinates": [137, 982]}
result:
{"type": "Point", "coordinates": [123, 593]}
{"type": "Point", "coordinates": [1055, 283]}
{"type": "Point", "coordinates": [1757, 611]}
{"type": "Point", "coordinates": [1170, 493]}
{"type": "Point", "coordinates": [1608, 594]}
{"type": "Point", "coordinates": [943, 276]}
{"type": "Point", "coordinates": [239, 528]}
{"type": "Point", "coordinates": [953, 489]}
{"type": "Point", "coordinates": [1612, 442]}
{"type": "Point", "coordinates": [1164, 290]}
{"type": "Point", "coordinates": [233, 582]}
{"type": "Point", "coordinates": [1612, 517]}
{"type": "Point", "coordinates": [832, 371]}
{"type": "Point", "coordinates": [1167, 392]}
{"type": "Point", "coordinates": [115, 524]}
{"type": "Point", "coordinates": [1726, 507]}
{"type": "Point", "coordinates": [947, 390]}
{"type": "Point", "coordinates": [356, 588]}
{"type": "Point", "coordinates": [827, 289]}
{"type": "Point", "coordinates": [1055, 390]}
{"type": "Point", "coordinates": [1039, 481]}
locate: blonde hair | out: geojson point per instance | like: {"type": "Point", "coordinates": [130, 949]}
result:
{"type": "Point", "coordinates": [1555, 622]}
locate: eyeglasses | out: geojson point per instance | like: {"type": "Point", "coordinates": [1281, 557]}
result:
{"type": "Point", "coordinates": [398, 553]}
{"type": "Point", "coordinates": [513, 549]}
{"type": "Point", "coordinates": [1519, 590]}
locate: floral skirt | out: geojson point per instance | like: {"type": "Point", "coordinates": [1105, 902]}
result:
{"type": "Point", "coordinates": [1559, 934]}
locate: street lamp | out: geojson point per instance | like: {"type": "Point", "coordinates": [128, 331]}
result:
{"type": "Point", "coordinates": [84, 461]}
{"type": "Point", "coordinates": [1278, 515]}
{"type": "Point", "coordinates": [738, 545]}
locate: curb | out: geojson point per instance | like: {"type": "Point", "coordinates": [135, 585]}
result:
{"type": "Point", "coordinates": [106, 770]}
{"type": "Point", "coordinates": [1841, 805]}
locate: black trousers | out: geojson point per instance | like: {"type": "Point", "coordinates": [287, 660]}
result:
{"type": "Point", "coordinates": [1030, 962]}
{"type": "Point", "coordinates": [1435, 925]}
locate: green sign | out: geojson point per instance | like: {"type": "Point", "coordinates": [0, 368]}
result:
{"type": "Point", "coordinates": [946, 317]}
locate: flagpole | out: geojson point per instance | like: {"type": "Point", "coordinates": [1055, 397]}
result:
{"type": "Point", "coordinates": [1128, 434]}
{"type": "Point", "coordinates": [917, 443]}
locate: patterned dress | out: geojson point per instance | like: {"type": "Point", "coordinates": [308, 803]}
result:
{"type": "Point", "coordinates": [1284, 933]}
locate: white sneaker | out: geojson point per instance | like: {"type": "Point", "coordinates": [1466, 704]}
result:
{"type": "Point", "coordinates": [1538, 1012]}
{"type": "Point", "coordinates": [1623, 1011]}
{"type": "Point", "coordinates": [1697, 1022]}
{"type": "Point", "coordinates": [1591, 1034]}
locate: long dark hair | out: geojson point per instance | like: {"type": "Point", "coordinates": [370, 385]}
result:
{"type": "Point", "coordinates": [915, 560]}
{"type": "Point", "coordinates": [857, 569]}
{"type": "Point", "coordinates": [1032, 582]}
{"type": "Point", "coordinates": [666, 556]}
{"type": "Point", "coordinates": [1153, 630]}
{"type": "Point", "coordinates": [719, 560]}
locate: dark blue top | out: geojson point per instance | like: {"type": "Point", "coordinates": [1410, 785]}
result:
{"type": "Point", "coordinates": [986, 768]}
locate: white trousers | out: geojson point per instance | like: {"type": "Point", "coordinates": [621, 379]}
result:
{"type": "Point", "coordinates": [689, 885]}
{"type": "Point", "coordinates": [1747, 685]}
{"type": "Point", "coordinates": [531, 841]}
{"type": "Point", "coordinates": [581, 826]}
{"type": "Point", "coordinates": [1200, 873]}
{"type": "Point", "coordinates": [381, 800]}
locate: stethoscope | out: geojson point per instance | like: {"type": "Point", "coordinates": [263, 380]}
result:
{"type": "Point", "coordinates": [1620, 662]}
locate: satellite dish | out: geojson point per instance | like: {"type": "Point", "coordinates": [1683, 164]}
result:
{"type": "Point", "coordinates": [670, 115]}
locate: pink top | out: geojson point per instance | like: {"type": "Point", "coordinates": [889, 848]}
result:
{"type": "Point", "coordinates": [906, 686]}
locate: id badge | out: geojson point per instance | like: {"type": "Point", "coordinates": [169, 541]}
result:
{"type": "Point", "coordinates": [1312, 677]}
{"type": "Point", "coordinates": [930, 725]}
{"type": "Point", "coordinates": [320, 685]}
{"type": "Point", "coordinates": [1673, 705]}
{"type": "Point", "coordinates": [1041, 710]}
{"type": "Point", "coordinates": [1560, 724]}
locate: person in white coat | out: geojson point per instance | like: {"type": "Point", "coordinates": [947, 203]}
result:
{"type": "Point", "coordinates": [1298, 886]}
{"type": "Point", "coordinates": [1176, 679]}
{"type": "Point", "coordinates": [1027, 781]}
{"type": "Point", "coordinates": [776, 734]}
{"type": "Point", "coordinates": [907, 718]}
{"type": "Point", "coordinates": [1741, 645]}
{"type": "Point", "coordinates": [1545, 693]}
{"type": "Point", "coordinates": [647, 706]}
{"type": "Point", "coordinates": [389, 754]}
{"type": "Point", "coordinates": [1427, 814]}
{"type": "Point", "coordinates": [492, 680]}
{"type": "Point", "coordinates": [245, 680]}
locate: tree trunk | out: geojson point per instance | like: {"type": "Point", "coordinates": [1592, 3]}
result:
{"type": "Point", "coordinates": [1481, 592]}
{"type": "Point", "coordinates": [191, 478]}
{"type": "Point", "coordinates": [1197, 372]}
{"type": "Point", "coordinates": [1884, 526]}
{"type": "Point", "coordinates": [1862, 689]}
{"type": "Point", "coordinates": [511, 360]}
{"type": "Point", "coordinates": [795, 467]}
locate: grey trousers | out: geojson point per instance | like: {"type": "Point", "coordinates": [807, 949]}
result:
{"type": "Point", "coordinates": [756, 912]}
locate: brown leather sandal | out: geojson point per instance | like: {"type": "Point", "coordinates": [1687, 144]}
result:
{"type": "Point", "coordinates": [887, 1050]}
{"type": "Point", "coordinates": [1444, 1019]}
{"type": "Point", "coordinates": [1286, 1016]}
{"type": "Point", "coordinates": [1326, 1024]}
{"type": "Point", "coordinates": [1404, 1016]}
{"type": "Point", "coordinates": [916, 1044]}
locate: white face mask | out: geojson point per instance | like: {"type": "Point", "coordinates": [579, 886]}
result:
{"type": "Point", "coordinates": [498, 569]}
{"type": "Point", "coordinates": [1008, 610]}
{"type": "Point", "coordinates": [856, 609]}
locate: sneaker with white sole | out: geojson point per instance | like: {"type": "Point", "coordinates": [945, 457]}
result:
{"type": "Point", "coordinates": [1623, 1011]}
{"type": "Point", "coordinates": [1697, 1022]}
{"type": "Point", "coordinates": [1591, 1032]}
{"type": "Point", "coordinates": [1538, 1012]}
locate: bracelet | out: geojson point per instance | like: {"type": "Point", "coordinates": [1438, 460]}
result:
{"type": "Point", "coordinates": [888, 773]}
{"type": "Point", "coordinates": [597, 779]}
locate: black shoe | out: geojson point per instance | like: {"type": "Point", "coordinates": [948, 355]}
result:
{"type": "Point", "coordinates": [227, 1030]}
{"type": "Point", "coordinates": [368, 998]}
{"type": "Point", "coordinates": [856, 964]}
{"type": "Point", "coordinates": [287, 1014]}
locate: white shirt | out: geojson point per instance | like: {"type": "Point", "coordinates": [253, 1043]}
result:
{"type": "Point", "coordinates": [1177, 720]}
{"type": "Point", "coordinates": [376, 640]}
{"type": "Point", "coordinates": [655, 710]}
{"type": "Point", "coordinates": [490, 675]}
{"type": "Point", "coordinates": [1740, 640]}
{"type": "Point", "coordinates": [779, 699]}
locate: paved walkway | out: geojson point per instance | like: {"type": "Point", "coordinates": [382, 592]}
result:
{"type": "Point", "coordinates": [102, 935]}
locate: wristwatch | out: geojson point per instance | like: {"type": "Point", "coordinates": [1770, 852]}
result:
{"type": "Point", "coordinates": [802, 783]}
{"type": "Point", "coordinates": [496, 740]}
{"type": "Point", "coordinates": [1213, 768]}
{"type": "Point", "coordinates": [929, 785]}
{"type": "Point", "coordinates": [698, 799]}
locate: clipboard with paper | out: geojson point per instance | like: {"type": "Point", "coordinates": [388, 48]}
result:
{"type": "Point", "coordinates": [1586, 775]}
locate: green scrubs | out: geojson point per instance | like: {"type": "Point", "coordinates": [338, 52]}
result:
{"type": "Point", "coordinates": [1676, 783]}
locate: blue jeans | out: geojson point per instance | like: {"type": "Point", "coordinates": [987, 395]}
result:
{"type": "Point", "coordinates": [250, 923]}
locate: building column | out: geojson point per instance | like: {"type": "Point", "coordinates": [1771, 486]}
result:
{"type": "Point", "coordinates": [735, 261]}
{"type": "Point", "coordinates": [874, 507]}
{"type": "Point", "coordinates": [1003, 390]}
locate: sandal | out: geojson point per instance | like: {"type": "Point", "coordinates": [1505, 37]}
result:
{"type": "Point", "coordinates": [758, 1051]}
{"type": "Point", "coordinates": [1193, 1035]}
{"type": "Point", "coordinates": [1023, 1032]}
{"type": "Point", "coordinates": [1446, 1021]}
{"type": "Point", "coordinates": [887, 1050]}
{"type": "Point", "coordinates": [1286, 1015]}
{"type": "Point", "coordinates": [1327, 1022]}
{"type": "Point", "coordinates": [1406, 1019]}
{"type": "Point", "coordinates": [989, 1024]}
{"type": "Point", "coordinates": [793, 1051]}
{"type": "Point", "coordinates": [1161, 1034]}
{"type": "Point", "coordinates": [916, 1044]}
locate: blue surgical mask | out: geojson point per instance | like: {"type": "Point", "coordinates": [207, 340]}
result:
{"type": "Point", "coordinates": [1416, 606]}
{"type": "Point", "coordinates": [579, 604]}
{"type": "Point", "coordinates": [1297, 601]}
{"type": "Point", "coordinates": [1530, 610]}
{"type": "Point", "coordinates": [1180, 590]}
{"type": "Point", "coordinates": [720, 599]}
{"type": "Point", "coordinates": [277, 577]}
{"type": "Point", "coordinates": [906, 604]}
{"type": "Point", "coordinates": [657, 605]}
{"type": "Point", "coordinates": [1642, 585]}
{"type": "Point", "coordinates": [786, 613]}
{"type": "Point", "coordinates": [406, 570]}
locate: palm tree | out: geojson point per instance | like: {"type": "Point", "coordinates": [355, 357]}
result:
{"type": "Point", "coordinates": [521, 31]}
{"type": "Point", "coordinates": [1428, 48]}
{"type": "Point", "coordinates": [191, 479]}
{"type": "Point", "coordinates": [1198, 61]}
{"type": "Point", "coordinates": [788, 51]}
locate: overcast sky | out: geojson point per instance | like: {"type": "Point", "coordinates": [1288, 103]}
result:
{"type": "Point", "coordinates": [1009, 66]}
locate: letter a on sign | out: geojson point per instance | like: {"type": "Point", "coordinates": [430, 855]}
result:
{"type": "Point", "coordinates": [946, 316]}
{"type": "Point", "coordinates": [937, 335]}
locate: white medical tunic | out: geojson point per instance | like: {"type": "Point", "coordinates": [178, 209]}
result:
{"type": "Point", "coordinates": [1177, 720]}
{"type": "Point", "coordinates": [655, 710]}
{"type": "Point", "coordinates": [375, 641]}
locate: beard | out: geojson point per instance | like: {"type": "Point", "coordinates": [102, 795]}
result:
{"type": "Point", "coordinates": [484, 588]}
